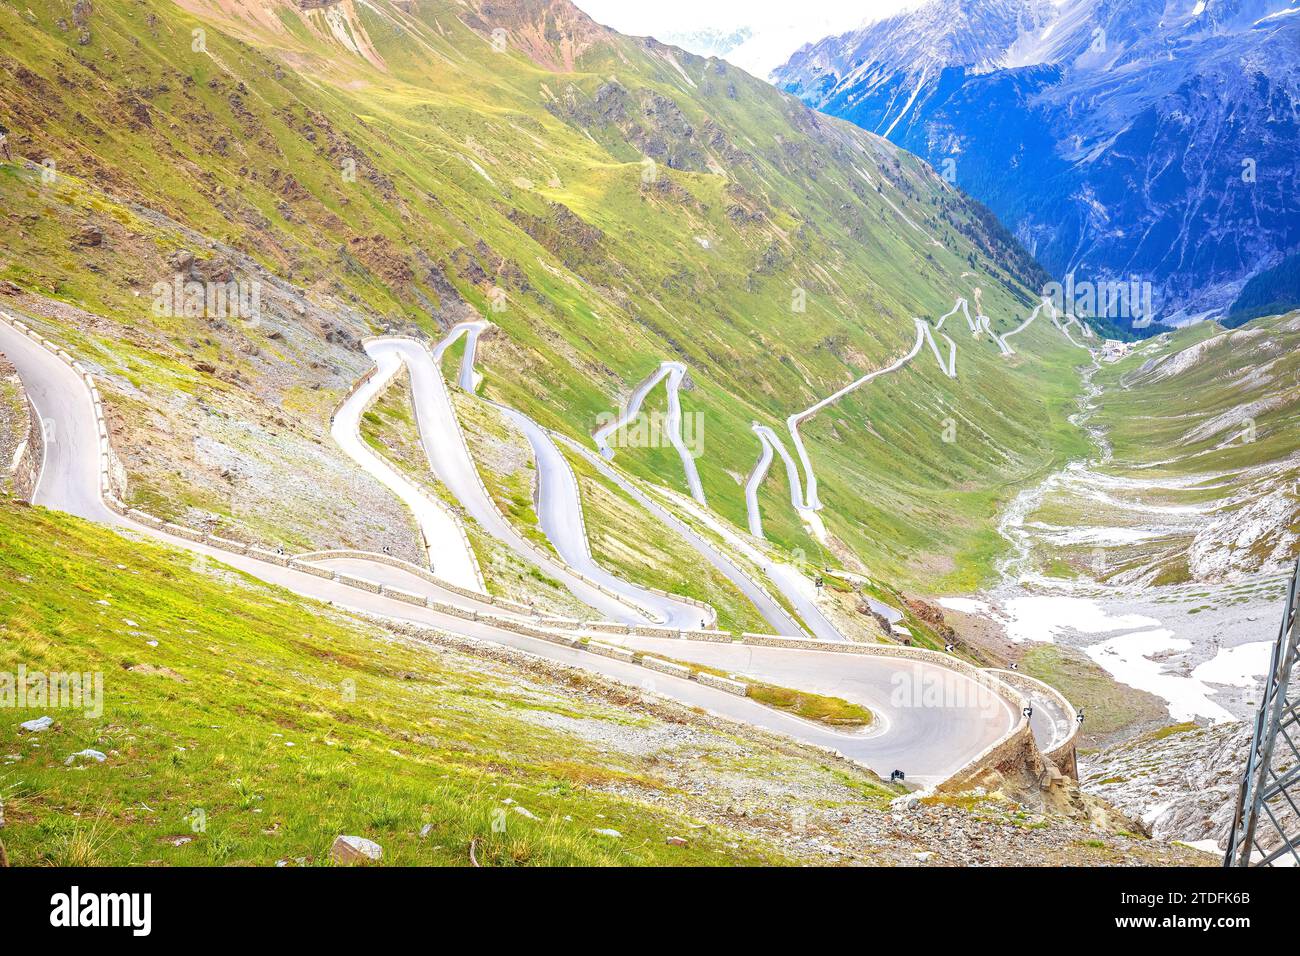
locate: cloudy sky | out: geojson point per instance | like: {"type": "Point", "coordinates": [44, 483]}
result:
{"type": "Point", "coordinates": [778, 27]}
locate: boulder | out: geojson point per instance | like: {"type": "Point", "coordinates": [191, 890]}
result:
{"type": "Point", "coordinates": [354, 850]}
{"type": "Point", "coordinates": [90, 235]}
{"type": "Point", "coordinates": [94, 755]}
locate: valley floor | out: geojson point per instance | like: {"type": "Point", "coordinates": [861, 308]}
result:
{"type": "Point", "coordinates": [1147, 582]}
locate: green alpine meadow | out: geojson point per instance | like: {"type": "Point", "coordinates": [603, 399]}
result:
{"type": "Point", "coordinates": [462, 434]}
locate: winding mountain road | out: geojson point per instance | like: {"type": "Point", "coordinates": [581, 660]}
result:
{"type": "Point", "coordinates": [450, 459]}
{"type": "Point", "coordinates": [928, 739]}
{"type": "Point", "coordinates": [449, 552]}
{"type": "Point", "coordinates": [776, 616]}
{"type": "Point", "coordinates": [811, 500]}
{"type": "Point", "coordinates": [960, 305]}
{"type": "Point", "coordinates": [769, 442]}
{"type": "Point", "coordinates": [1044, 303]}
{"type": "Point", "coordinates": [559, 510]}
{"type": "Point", "coordinates": [948, 368]}
{"type": "Point", "coordinates": [672, 374]}
{"type": "Point", "coordinates": [559, 505]}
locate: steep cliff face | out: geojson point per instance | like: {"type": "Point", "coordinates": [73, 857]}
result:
{"type": "Point", "coordinates": [1151, 139]}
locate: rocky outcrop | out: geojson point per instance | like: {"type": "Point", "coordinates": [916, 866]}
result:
{"type": "Point", "coordinates": [555, 36]}
{"type": "Point", "coordinates": [1181, 782]}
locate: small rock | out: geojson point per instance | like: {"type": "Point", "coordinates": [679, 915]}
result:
{"type": "Point", "coordinates": [37, 725]}
{"type": "Point", "coordinates": [675, 841]}
{"type": "Point", "coordinates": [351, 850]}
{"type": "Point", "coordinates": [89, 236]}
{"type": "Point", "coordinates": [426, 830]}
{"type": "Point", "coordinates": [923, 856]}
{"type": "Point", "coordinates": [524, 813]}
{"type": "Point", "coordinates": [609, 833]}
{"type": "Point", "coordinates": [94, 755]}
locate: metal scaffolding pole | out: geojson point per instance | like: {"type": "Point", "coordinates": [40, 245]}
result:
{"type": "Point", "coordinates": [1266, 826]}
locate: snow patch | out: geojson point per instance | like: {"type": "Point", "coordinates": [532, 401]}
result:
{"type": "Point", "coordinates": [1239, 666]}
{"type": "Point", "coordinates": [1131, 659]}
{"type": "Point", "coordinates": [1040, 618]}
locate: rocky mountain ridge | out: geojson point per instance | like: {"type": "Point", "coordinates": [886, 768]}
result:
{"type": "Point", "coordinates": [1149, 140]}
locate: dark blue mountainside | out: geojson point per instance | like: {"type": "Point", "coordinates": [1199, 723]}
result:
{"type": "Point", "coordinates": [1157, 141]}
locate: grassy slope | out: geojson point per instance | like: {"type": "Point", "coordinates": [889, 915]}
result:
{"type": "Point", "coordinates": [1150, 420]}
{"type": "Point", "coordinates": [471, 168]}
{"type": "Point", "coordinates": [241, 672]}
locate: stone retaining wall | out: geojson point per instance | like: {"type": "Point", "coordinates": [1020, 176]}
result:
{"type": "Point", "coordinates": [180, 531]}
{"type": "Point", "coordinates": [311, 569]}
{"type": "Point", "coordinates": [30, 457]}
{"type": "Point", "coordinates": [717, 637]}
{"type": "Point", "coordinates": [1010, 755]}
{"type": "Point", "coordinates": [666, 667]}
{"type": "Point", "coordinates": [397, 594]}
{"type": "Point", "coordinates": [564, 623]}
{"type": "Point", "coordinates": [654, 630]}
{"type": "Point", "coordinates": [225, 544]}
{"type": "Point", "coordinates": [419, 572]}
{"type": "Point", "coordinates": [1065, 754]}
{"type": "Point", "coordinates": [374, 587]}
{"type": "Point", "coordinates": [529, 630]}
{"type": "Point", "coordinates": [609, 650]}
{"type": "Point", "coordinates": [143, 518]}
{"type": "Point", "coordinates": [270, 557]}
{"type": "Point", "coordinates": [739, 688]}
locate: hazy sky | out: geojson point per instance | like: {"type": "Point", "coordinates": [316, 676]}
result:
{"type": "Point", "coordinates": [779, 26]}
